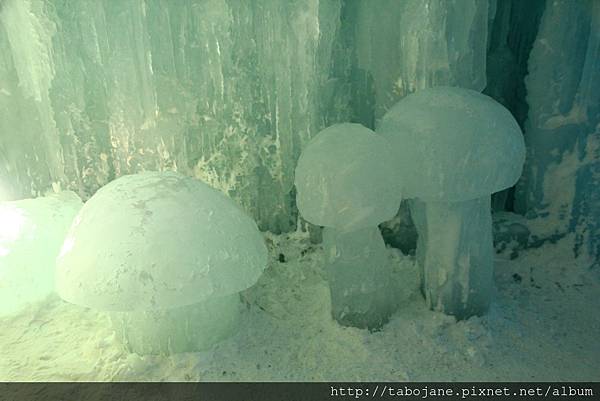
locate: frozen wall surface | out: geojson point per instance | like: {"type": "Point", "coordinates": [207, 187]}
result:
{"type": "Point", "coordinates": [562, 130]}
{"type": "Point", "coordinates": [403, 46]}
{"type": "Point", "coordinates": [227, 91]}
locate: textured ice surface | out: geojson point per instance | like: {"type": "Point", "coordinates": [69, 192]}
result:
{"type": "Point", "coordinates": [453, 144]}
{"type": "Point", "coordinates": [229, 92]}
{"type": "Point", "coordinates": [359, 275]}
{"type": "Point", "coordinates": [187, 328]}
{"type": "Point", "coordinates": [344, 179]}
{"type": "Point", "coordinates": [158, 241]}
{"type": "Point", "coordinates": [403, 46]}
{"type": "Point", "coordinates": [510, 229]}
{"type": "Point", "coordinates": [562, 172]}
{"type": "Point", "coordinates": [31, 234]}
{"type": "Point", "coordinates": [225, 91]}
{"type": "Point", "coordinates": [455, 254]}
{"type": "Point", "coordinates": [512, 30]}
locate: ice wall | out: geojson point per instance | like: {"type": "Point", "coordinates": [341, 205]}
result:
{"type": "Point", "coordinates": [402, 46]}
{"type": "Point", "coordinates": [30, 151]}
{"type": "Point", "coordinates": [562, 131]}
{"type": "Point", "coordinates": [513, 26]}
{"type": "Point", "coordinates": [227, 91]}
{"type": "Point", "coordinates": [231, 91]}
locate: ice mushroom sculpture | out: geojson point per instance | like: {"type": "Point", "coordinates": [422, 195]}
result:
{"type": "Point", "coordinates": [344, 182]}
{"type": "Point", "coordinates": [32, 232]}
{"type": "Point", "coordinates": [166, 255]}
{"type": "Point", "coordinates": [454, 147]}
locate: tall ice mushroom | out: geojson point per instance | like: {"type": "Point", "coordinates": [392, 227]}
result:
{"type": "Point", "coordinates": [167, 255]}
{"type": "Point", "coordinates": [454, 147]}
{"type": "Point", "coordinates": [344, 182]}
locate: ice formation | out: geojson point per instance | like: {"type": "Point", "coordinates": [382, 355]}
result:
{"type": "Point", "coordinates": [343, 182]}
{"type": "Point", "coordinates": [212, 89]}
{"type": "Point", "coordinates": [559, 188]}
{"type": "Point", "coordinates": [228, 92]}
{"type": "Point", "coordinates": [453, 148]}
{"type": "Point", "coordinates": [232, 92]}
{"type": "Point", "coordinates": [167, 254]}
{"type": "Point", "coordinates": [31, 234]}
{"type": "Point", "coordinates": [442, 43]}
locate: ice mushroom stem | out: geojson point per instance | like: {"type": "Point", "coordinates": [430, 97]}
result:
{"type": "Point", "coordinates": [455, 253]}
{"type": "Point", "coordinates": [188, 328]}
{"type": "Point", "coordinates": [359, 276]}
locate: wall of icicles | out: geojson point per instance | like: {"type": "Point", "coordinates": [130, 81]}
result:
{"type": "Point", "coordinates": [231, 91]}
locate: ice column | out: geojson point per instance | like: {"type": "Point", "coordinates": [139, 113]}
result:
{"type": "Point", "coordinates": [414, 44]}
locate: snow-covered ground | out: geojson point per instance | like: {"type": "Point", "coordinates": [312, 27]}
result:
{"type": "Point", "coordinates": [543, 325]}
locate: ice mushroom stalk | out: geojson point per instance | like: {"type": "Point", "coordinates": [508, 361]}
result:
{"type": "Point", "coordinates": [188, 328]}
{"type": "Point", "coordinates": [359, 276]}
{"type": "Point", "coordinates": [342, 183]}
{"type": "Point", "coordinates": [454, 148]}
{"type": "Point", "coordinates": [455, 253]}
{"type": "Point", "coordinates": [166, 256]}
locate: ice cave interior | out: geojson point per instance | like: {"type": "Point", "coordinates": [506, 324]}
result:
{"type": "Point", "coordinates": [350, 190]}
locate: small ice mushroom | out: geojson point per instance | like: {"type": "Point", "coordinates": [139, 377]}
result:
{"type": "Point", "coordinates": [31, 234]}
{"type": "Point", "coordinates": [167, 255]}
{"type": "Point", "coordinates": [454, 147]}
{"type": "Point", "coordinates": [344, 182]}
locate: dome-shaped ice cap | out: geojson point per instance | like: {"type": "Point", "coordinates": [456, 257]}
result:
{"type": "Point", "coordinates": [158, 240]}
{"type": "Point", "coordinates": [453, 144]}
{"type": "Point", "coordinates": [345, 179]}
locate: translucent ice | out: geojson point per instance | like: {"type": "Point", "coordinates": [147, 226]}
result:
{"type": "Point", "coordinates": [228, 92]}
{"type": "Point", "coordinates": [343, 182]}
{"type": "Point", "coordinates": [407, 45]}
{"type": "Point", "coordinates": [31, 234]}
{"type": "Point", "coordinates": [358, 270]}
{"type": "Point", "coordinates": [454, 147]}
{"type": "Point", "coordinates": [453, 144]}
{"type": "Point", "coordinates": [455, 253]}
{"type": "Point", "coordinates": [343, 179]}
{"type": "Point", "coordinates": [147, 245]}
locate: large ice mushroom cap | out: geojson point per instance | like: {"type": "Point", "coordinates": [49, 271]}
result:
{"type": "Point", "coordinates": [345, 179]}
{"type": "Point", "coordinates": [158, 240]}
{"type": "Point", "coordinates": [454, 144]}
